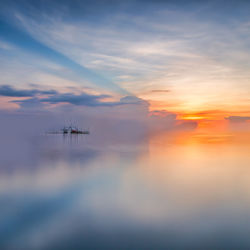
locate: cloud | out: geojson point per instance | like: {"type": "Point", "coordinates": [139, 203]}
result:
{"type": "Point", "coordinates": [6, 90]}
{"type": "Point", "coordinates": [133, 100]}
{"type": "Point", "coordinates": [238, 123]}
{"type": "Point", "coordinates": [31, 104]}
{"type": "Point", "coordinates": [5, 46]}
{"type": "Point", "coordinates": [157, 49]}
{"type": "Point", "coordinates": [82, 99]}
{"type": "Point", "coordinates": [160, 90]}
{"type": "Point", "coordinates": [27, 42]}
{"type": "Point", "coordinates": [128, 108]}
{"type": "Point", "coordinates": [90, 100]}
{"type": "Point", "coordinates": [161, 48]}
{"type": "Point", "coordinates": [129, 111]}
{"type": "Point", "coordinates": [238, 118]}
{"type": "Point", "coordinates": [162, 120]}
{"type": "Point", "coordinates": [54, 97]}
{"type": "Point", "coordinates": [161, 113]}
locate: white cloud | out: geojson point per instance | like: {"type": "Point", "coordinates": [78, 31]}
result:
{"type": "Point", "coordinates": [5, 46]}
{"type": "Point", "coordinates": [169, 49]}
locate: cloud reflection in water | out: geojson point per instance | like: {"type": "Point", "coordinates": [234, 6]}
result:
{"type": "Point", "coordinates": [156, 194]}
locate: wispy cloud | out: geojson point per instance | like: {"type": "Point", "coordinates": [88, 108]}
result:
{"type": "Point", "coordinates": [199, 54]}
{"type": "Point", "coordinates": [193, 57]}
{"type": "Point", "coordinates": [5, 46]}
{"type": "Point", "coordinates": [238, 118]}
{"type": "Point", "coordinates": [7, 90]}
{"type": "Point", "coordinates": [160, 91]}
{"type": "Point", "coordinates": [82, 99]}
{"type": "Point", "coordinates": [21, 38]}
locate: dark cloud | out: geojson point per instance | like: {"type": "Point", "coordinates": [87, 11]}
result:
{"type": "Point", "coordinates": [82, 99]}
{"type": "Point", "coordinates": [238, 118]}
{"type": "Point", "coordinates": [54, 97]}
{"type": "Point", "coordinates": [133, 100]}
{"type": "Point", "coordinates": [90, 100]}
{"type": "Point", "coordinates": [31, 104]}
{"type": "Point", "coordinates": [6, 90]}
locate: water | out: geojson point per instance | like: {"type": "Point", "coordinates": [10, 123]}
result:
{"type": "Point", "coordinates": [171, 191]}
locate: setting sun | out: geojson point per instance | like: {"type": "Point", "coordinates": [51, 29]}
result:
{"type": "Point", "coordinates": [124, 125]}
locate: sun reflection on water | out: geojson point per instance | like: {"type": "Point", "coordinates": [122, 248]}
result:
{"type": "Point", "coordinates": [194, 186]}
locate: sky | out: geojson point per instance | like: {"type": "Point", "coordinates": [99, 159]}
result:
{"type": "Point", "coordinates": [184, 60]}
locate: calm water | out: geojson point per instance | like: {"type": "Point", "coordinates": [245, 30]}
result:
{"type": "Point", "coordinates": [172, 191]}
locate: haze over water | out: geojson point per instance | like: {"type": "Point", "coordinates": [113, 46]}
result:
{"type": "Point", "coordinates": [170, 191]}
{"type": "Point", "coordinates": [162, 86]}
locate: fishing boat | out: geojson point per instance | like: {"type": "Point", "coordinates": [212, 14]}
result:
{"type": "Point", "coordinates": [74, 130]}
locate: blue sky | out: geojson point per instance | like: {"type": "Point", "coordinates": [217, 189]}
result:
{"type": "Point", "coordinates": [177, 55]}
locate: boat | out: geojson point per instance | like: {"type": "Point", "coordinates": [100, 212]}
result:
{"type": "Point", "coordinates": [74, 130]}
{"type": "Point", "coordinates": [65, 130]}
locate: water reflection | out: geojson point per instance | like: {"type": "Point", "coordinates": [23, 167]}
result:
{"type": "Point", "coordinates": [174, 191]}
